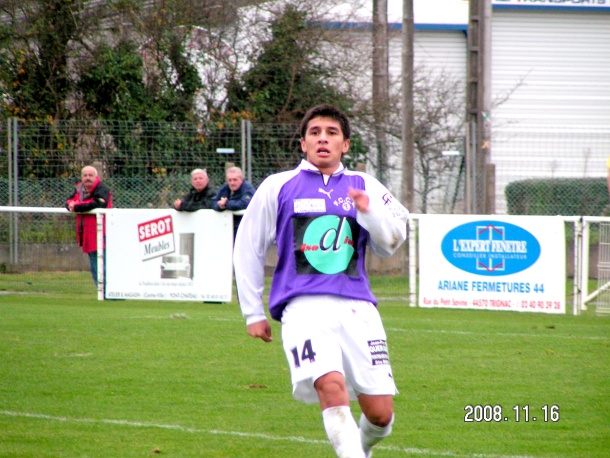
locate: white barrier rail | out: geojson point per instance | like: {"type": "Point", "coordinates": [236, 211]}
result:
{"type": "Point", "coordinates": [580, 293]}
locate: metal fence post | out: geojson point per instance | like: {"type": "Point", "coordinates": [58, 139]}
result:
{"type": "Point", "coordinates": [249, 148]}
{"type": "Point", "coordinates": [9, 153]}
{"type": "Point", "coordinates": [15, 227]}
{"type": "Point", "coordinates": [577, 290]}
{"type": "Point", "coordinates": [412, 234]}
{"type": "Point", "coordinates": [243, 148]}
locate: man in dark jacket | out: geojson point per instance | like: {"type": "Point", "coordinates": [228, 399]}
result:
{"type": "Point", "coordinates": [235, 195]}
{"type": "Point", "coordinates": [201, 194]}
{"type": "Point", "coordinates": [90, 193]}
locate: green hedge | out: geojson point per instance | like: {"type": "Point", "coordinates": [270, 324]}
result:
{"type": "Point", "coordinates": [558, 196]}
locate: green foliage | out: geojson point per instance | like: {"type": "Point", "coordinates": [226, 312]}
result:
{"type": "Point", "coordinates": [49, 57]}
{"type": "Point", "coordinates": [34, 63]}
{"type": "Point", "coordinates": [285, 79]}
{"type": "Point", "coordinates": [179, 98]}
{"type": "Point", "coordinates": [112, 87]}
{"type": "Point", "coordinates": [558, 196]}
{"type": "Point", "coordinates": [358, 152]}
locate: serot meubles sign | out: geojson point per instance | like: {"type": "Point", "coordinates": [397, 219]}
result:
{"type": "Point", "coordinates": [156, 237]}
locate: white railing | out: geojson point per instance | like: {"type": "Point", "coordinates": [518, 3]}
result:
{"type": "Point", "coordinates": [581, 262]}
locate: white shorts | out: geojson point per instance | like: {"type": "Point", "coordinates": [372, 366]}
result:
{"type": "Point", "coordinates": [323, 334]}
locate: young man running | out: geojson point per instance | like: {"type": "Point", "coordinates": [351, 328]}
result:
{"type": "Point", "coordinates": [322, 216]}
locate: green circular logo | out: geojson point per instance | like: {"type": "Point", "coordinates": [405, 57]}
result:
{"type": "Point", "coordinates": [328, 244]}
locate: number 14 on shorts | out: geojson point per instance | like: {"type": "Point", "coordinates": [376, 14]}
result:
{"type": "Point", "coordinates": [306, 353]}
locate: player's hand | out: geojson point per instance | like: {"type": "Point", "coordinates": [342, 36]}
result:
{"type": "Point", "coordinates": [361, 200]}
{"type": "Point", "coordinates": [177, 203]}
{"type": "Point", "coordinates": [261, 330]}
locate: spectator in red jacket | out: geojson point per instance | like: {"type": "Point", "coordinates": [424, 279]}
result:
{"type": "Point", "coordinates": [90, 193]}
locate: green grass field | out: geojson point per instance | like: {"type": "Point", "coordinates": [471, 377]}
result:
{"type": "Point", "coordinates": [84, 378]}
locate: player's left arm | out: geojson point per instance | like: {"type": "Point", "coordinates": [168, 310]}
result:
{"type": "Point", "coordinates": [385, 218]}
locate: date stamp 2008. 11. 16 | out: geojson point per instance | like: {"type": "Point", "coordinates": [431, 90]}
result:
{"type": "Point", "coordinates": [477, 413]}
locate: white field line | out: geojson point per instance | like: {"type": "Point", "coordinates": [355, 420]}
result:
{"type": "Point", "coordinates": [468, 333]}
{"type": "Point", "coordinates": [137, 424]}
{"type": "Point", "coordinates": [178, 316]}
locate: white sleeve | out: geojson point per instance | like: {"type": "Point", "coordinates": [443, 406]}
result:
{"type": "Point", "coordinates": [255, 234]}
{"type": "Point", "coordinates": [385, 220]}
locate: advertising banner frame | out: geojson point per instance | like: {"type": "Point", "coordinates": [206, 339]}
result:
{"type": "Point", "coordinates": [163, 254]}
{"type": "Point", "coordinates": [492, 262]}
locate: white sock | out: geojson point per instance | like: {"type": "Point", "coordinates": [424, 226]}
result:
{"type": "Point", "coordinates": [371, 434]}
{"type": "Point", "coordinates": [342, 431]}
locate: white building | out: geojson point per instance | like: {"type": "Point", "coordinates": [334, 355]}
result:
{"type": "Point", "coordinates": [550, 80]}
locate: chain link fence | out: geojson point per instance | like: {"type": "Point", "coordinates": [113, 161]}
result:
{"type": "Point", "coordinates": [146, 165]}
{"type": "Point", "coordinates": [544, 170]}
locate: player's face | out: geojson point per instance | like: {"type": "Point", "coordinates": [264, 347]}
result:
{"type": "Point", "coordinates": [324, 144]}
{"type": "Point", "coordinates": [199, 181]}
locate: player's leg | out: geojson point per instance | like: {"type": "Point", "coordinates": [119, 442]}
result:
{"type": "Point", "coordinates": [316, 367]}
{"type": "Point", "coordinates": [368, 372]}
{"type": "Point", "coordinates": [339, 423]}
{"type": "Point", "coordinates": [376, 419]}
{"type": "Point", "coordinates": [332, 391]}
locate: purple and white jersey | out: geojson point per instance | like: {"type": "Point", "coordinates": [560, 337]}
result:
{"type": "Point", "coordinates": [321, 238]}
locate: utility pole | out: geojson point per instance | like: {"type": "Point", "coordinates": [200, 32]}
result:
{"type": "Point", "coordinates": [407, 134]}
{"type": "Point", "coordinates": [408, 142]}
{"type": "Point", "coordinates": [480, 172]}
{"type": "Point", "coordinates": [381, 84]}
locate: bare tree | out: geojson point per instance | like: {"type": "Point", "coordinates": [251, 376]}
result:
{"type": "Point", "coordinates": [438, 126]}
{"type": "Point", "coordinates": [381, 84]}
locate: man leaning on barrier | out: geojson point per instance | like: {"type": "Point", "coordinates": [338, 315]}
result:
{"type": "Point", "coordinates": [235, 195]}
{"type": "Point", "coordinates": [200, 195]}
{"type": "Point", "coordinates": [90, 193]}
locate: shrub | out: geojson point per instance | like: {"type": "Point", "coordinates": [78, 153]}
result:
{"type": "Point", "coordinates": [558, 196]}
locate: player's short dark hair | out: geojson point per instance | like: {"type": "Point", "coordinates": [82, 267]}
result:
{"type": "Point", "coordinates": [327, 111]}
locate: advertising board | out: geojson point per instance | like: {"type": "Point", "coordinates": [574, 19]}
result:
{"type": "Point", "coordinates": [168, 255]}
{"type": "Point", "coordinates": [494, 262]}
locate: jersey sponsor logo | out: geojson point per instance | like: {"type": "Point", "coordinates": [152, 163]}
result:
{"type": "Point", "coordinates": [379, 352]}
{"type": "Point", "coordinates": [326, 244]}
{"type": "Point", "coordinates": [309, 205]}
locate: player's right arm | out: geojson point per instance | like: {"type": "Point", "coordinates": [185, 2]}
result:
{"type": "Point", "coordinates": [260, 329]}
{"type": "Point", "coordinates": [255, 234]}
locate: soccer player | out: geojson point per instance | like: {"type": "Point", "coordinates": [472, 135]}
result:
{"type": "Point", "coordinates": [322, 216]}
